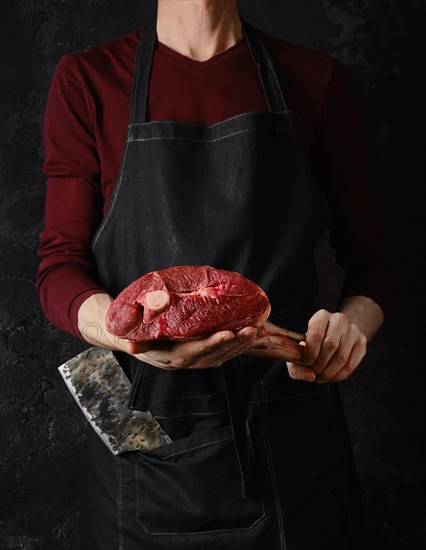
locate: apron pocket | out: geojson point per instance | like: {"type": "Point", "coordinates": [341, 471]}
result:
{"type": "Point", "coordinates": [188, 416]}
{"type": "Point", "coordinates": [193, 486]}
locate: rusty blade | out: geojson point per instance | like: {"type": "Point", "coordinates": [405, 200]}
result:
{"type": "Point", "coordinates": [102, 391]}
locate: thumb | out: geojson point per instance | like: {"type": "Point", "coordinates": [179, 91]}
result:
{"type": "Point", "coordinates": [300, 372]}
{"type": "Point", "coordinates": [137, 347]}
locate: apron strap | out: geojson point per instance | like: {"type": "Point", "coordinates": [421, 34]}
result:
{"type": "Point", "coordinates": [265, 69]}
{"type": "Point", "coordinates": [143, 64]}
{"type": "Point", "coordinates": [142, 70]}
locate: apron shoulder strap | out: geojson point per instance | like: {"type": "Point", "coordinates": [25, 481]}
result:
{"type": "Point", "coordinates": [265, 69]}
{"type": "Point", "coordinates": [143, 64]}
{"type": "Point", "coordinates": [142, 69]}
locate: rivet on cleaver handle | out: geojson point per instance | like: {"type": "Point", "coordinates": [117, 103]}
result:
{"type": "Point", "coordinates": [102, 390]}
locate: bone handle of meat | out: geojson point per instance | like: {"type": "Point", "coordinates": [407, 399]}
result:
{"type": "Point", "coordinates": [274, 342]}
{"type": "Point", "coordinates": [275, 329]}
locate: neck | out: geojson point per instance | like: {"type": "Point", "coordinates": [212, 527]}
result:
{"type": "Point", "coordinates": [198, 29]}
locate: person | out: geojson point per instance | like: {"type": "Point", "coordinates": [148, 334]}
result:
{"type": "Point", "coordinates": [200, 139]}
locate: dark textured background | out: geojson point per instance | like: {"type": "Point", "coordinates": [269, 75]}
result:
{"type": "Point", "coordinates": [42, 430]}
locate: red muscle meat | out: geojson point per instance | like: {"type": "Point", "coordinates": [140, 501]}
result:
{"type": "Point", "coordinates": [186, 302]}
{"type": "Point", "coordinates": [195, 301]}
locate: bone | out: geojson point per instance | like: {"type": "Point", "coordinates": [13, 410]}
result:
{"type": "Point", "coordinates": [275, 329]}
{"type": "Point", "coordinates": [275, 342]}
{"type": "Point", "coordinates": [158, 300]}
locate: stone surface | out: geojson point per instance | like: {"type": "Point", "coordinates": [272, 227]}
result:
{"type": "Point", "coordinates": [42, 430]}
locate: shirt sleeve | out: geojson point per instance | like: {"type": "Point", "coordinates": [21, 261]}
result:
{"type": "Point", "coordinates": [341, 165]}
{"type": "Point", "coordinates": [73, 208]}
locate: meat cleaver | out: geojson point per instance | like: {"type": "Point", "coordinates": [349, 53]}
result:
{"type": "Point", "coordinates": [102, 391]}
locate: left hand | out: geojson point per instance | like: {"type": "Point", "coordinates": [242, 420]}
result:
{"type": "Point", "coordinates": [334, 348]}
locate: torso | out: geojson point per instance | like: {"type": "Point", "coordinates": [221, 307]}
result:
{"type": "Point", "coordinates": [199, 92]}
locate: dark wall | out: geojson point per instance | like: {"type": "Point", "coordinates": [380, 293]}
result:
{"type": "Point", "coordinates": [42, 430]}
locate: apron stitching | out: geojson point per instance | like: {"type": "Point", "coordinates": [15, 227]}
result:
{"type": "Point", "coordinates": [137, 478]}
{"type": "Point", "coordinates": [191, 413]}
{"type": "Point", "coordinates": [198, 447]}
{"type": "Point", "coordinates": [207, 532]}
{"type": "Point", "coordinates": [208, 125]}
{"type": "Point", "coordinates": [119, 505]}
{"type": "Point", "coordinates": [210, 140]}
{"type": "Point", "coordinates": [272, 471]}
{"type": "Point", "coordinates": [135, 386]}
{"type": "Point", "coordinates": [286, 397]}
{"type": "Point", "coordinates": [198, 396]}
{"type": "Point", "coordinates": [138, 513]}
{"type": "Point", "coordinates": [274, 76]}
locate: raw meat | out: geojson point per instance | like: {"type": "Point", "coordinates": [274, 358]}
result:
{"type": "Point", "coordinates": [185, 302]}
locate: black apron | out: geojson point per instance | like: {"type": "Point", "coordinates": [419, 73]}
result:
{"type": "Point", "coordinates": [258, 460]}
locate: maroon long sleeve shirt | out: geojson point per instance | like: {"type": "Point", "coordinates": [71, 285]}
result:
{"type": "Point", "coordinates": [84, 131]}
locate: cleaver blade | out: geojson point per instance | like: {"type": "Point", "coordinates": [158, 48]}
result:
{"type": "Point", "coordinates": [102, 391]}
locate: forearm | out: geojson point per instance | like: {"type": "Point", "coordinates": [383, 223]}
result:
{"type": "Point", "coordinates": [91, 321]}
{"type": "Point", "coordinates": [364, 312]}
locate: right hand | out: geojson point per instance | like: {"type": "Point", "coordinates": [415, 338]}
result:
{"type": "Point", "coordinates": [201, 353]}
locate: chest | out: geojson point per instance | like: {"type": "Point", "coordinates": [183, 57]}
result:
{"type": "Point", "coordinates": [181, 92]}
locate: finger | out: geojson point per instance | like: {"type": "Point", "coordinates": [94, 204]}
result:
{"type": "Point", "coordinates": [357, 354]}
{"type": "Point", "coordinates": [247, 332]}
{"type": "Point", "coordinates": [339, 358]}
{"type": "Point", "coordinates": [215, 357]}
{"type": "Point", "coordinates": [170, 354]}
{"type": "Point", "coordinates": [186, 354]}
{"type": "Point", "coordinates": [317, 327]}
{"type": "Point", "coordinates": [199, 347]}
{"type": "Point", "coordinates": [299, 372]}
{"type": "Point", "coordinates": [197, 353]}
{"type": "Point", "coordinates": [238, 349]}
{"type": "Point", "coordinates": [181, 353]}
{"type": "Point", "coordinates": [223, 345]}
{"type": "Point", "coordinates": [137, 347]}
{"type": "Point", "coordinates": [336, 363]}
{"type": "Point", "coordinates": [155, 359]}
{"type": "Point", "coordinates": [332, 342]}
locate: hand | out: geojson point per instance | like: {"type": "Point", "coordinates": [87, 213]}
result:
{"type": "Point", "coordinates": [195, 354]}
{"type": "Point", "coordinates": [333, 350]}
{"type": "Point", "coordinates": [203, 353]}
